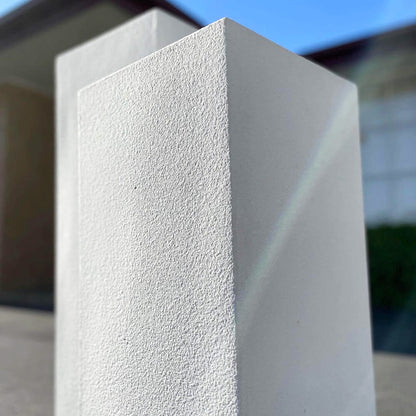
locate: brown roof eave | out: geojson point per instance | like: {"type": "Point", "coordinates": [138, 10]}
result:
{"type": "Point", "coordinates": [37, 15]}
{"type": "Point", "coordinates": [354, 50]}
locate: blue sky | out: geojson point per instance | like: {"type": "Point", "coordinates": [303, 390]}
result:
{"type": "Point", "coordinates": [298, 25]}
{"type": "Point", "coordinates": [8, 5]}
{"type": "Point", "coordinates": [305, 25]}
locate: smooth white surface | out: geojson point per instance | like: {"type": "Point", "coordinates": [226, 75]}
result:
{"type": "Point", "coordinates": [76, 69]}
{"type": "Point", "coordinates": [159, 219]}
{"type": "Point", "coordinates": [302, 313]}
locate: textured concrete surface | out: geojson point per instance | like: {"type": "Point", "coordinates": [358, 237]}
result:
{"type": "Point", "coordinates": [222, 166]}
{"type": "Point", "coordinates": [75, 69]}
{"type": "Point", "coordinates": [26, 363]}
{"type": "Point", "coordinates": [156, 284]}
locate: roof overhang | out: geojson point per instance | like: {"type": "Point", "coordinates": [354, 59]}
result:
{"type": "Point", "coordinates": [32, 35]}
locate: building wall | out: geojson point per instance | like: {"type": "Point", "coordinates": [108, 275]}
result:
{"type": "Point", "coordinates": [26, 240]}
{"type": "Point", "coordinates": [385, 73]}
{"type": "Point", "coordinates": [389, 159]}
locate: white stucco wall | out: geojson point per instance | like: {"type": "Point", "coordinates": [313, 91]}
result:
{"type": "Point", "coordinates": [222, 255]}
{"type": "Point", "coordinates": [75, 69]}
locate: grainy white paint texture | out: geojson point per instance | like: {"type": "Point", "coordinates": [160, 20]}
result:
{"type": "Point", "coordinates": [222, 255]}
{"type": "Point", "coordinates": [74, 70]}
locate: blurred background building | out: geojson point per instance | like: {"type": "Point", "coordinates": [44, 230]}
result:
{"type": "Point", "coordinates": [384, 69]}
{"type": "Point", "coordinates": [382, 65]}
{"type": "Point", "coordinates": [30, 38]}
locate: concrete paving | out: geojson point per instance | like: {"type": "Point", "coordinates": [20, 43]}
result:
{"type": "Point", "coordinates": [395, 377]}
{"type": "Point", "coordinates": [26, 369]}
{"type": "Point", "coordinates": [26, 362]}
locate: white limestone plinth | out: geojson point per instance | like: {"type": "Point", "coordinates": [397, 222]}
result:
{"type": "Point", "coordinates": [222, 254]}
{"type": "Point", "coordinates": [76, 69]}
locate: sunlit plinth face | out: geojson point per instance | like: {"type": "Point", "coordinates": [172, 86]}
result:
{"type": "Point", "coordinates": [75, 69]}
{"type": "Point", "coordinates": [222, 257]}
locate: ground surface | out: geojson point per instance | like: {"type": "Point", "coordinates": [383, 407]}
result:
{"type": "Point", "coordinates": [26, 363]}
{"type": "Point", "coordinates": [395, 384]}
{"type": "Point", "coordinates": [26, 369]}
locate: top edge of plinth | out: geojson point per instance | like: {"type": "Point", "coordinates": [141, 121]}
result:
{"type": "Point", "coordinates": [228, 26]}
